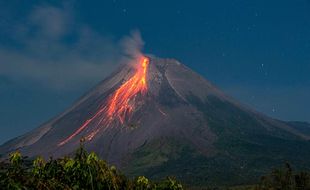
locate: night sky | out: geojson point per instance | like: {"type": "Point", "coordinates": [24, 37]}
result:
{"type": "Point", "coordinates": [52, 52]}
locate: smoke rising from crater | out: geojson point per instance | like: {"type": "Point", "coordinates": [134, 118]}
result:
{"type": "Point", "coordinates": [47, 57]}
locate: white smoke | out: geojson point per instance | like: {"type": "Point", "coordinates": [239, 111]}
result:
{"type": "Point", "coordinates": [47, 59]}
{"type": "Point", "coordinates": [133, 44]}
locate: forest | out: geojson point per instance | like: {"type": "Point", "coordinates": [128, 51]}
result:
{"type": "Point", "coordinates": [86, 170]}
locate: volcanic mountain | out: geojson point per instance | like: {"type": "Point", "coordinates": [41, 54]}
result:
{"type": "Point", "coordinates": [157, 118]}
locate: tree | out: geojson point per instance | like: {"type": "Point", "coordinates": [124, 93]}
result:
{"type": "Point", "coordinates": [83, 171]}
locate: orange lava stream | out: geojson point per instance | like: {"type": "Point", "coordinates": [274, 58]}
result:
{"type": "Point", "coordinates": [121, 104]}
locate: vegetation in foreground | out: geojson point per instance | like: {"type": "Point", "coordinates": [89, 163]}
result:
{"type": "Point", "coordinates": [86, 171]}
{"type": "Point", "coordinates": [278, 179]}
{"type": "Point", "coordinates": [285, 179]}
{"type": "Point", "coordinates": [83, 171]}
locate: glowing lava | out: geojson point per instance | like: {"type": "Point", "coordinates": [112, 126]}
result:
{"type": "Point", "coordinates": [120, 105]}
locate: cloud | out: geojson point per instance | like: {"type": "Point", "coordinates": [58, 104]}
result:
{"type": "Point", "coordinates": [60, 53]}
{"type": "Point", "coordinates": [51, 21]}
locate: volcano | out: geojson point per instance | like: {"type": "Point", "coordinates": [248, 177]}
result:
{"type": "Point", "coordinates": [157, 117]}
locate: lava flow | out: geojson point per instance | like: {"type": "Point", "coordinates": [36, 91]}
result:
{"type": "Point", "coordinates": [120, 105]}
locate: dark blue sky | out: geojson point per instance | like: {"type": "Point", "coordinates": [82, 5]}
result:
{"type": "Point", "coordinates": [51, 53]}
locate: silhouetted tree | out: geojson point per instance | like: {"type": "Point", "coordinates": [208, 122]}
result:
{"type": "Point", "coordinates": [83, 171]}
{"type": "Point", "coordinates": [285, 179]}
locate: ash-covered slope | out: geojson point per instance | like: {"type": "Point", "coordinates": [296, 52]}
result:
{"type": "Point", "coordinates": [173, 123]}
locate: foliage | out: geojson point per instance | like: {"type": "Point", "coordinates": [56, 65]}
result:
{"type": "Point", "coordinates": [87, 171]}
{"type": "Point", "coordinates": [281, 179]}
{"type": "Point", "coordinates": [83, 171]}
{"type": "Point", "coordinates": [278, 179]}
{"type": "Point", "coordinates": [285, 179]}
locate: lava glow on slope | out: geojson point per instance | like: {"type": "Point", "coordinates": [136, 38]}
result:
{"type": "Point", "coordinates": [119, 106]}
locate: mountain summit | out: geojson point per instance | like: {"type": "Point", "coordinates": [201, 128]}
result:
{"type": "Point", "coordinates": [157, 117]}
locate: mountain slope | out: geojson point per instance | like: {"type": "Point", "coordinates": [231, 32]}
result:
{"type": "Point", "coordinates": [173, 123]}
{"type": "Point", "coordinates": [302, 127]}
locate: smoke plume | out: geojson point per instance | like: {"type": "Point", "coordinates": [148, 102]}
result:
{"type": "Point", "coordinates": [45, 55]}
